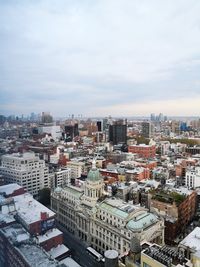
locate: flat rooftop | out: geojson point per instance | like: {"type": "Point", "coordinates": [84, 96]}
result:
{"type": "Point", "coordinates": [69, 262]}
{"type": "Point", "coordinates": [58, 251]}
{"type": "Point", "coordinates": [9, 188]}
{"type": "Point", "coordinates": [36, 256]}
{"type": "Point", "coordinates": [192, 240]}
{"type": "Point", "coordinates": [26, 155]}
{"type": "Point", "coordinates": [15, 233]}
{"type": "Point", "coordinates": [30, 209]}
{"type": "Point", "coordinates": [49, 234]}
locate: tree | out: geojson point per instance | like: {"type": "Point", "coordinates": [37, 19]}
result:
{"type": "Point", "coordinates": [44, 196]}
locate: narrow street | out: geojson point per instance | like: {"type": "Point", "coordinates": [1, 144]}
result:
{"type": "Point", "coordinates": [78, 249]}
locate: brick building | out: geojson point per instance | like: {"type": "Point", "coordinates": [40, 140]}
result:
{"type": "Point", "coordinates": [177, 208]}
{"type": "Point", "coordinates": [27, 228]}
{"type": "Point", "coordinates": [138, 174]}
{"type": "Point", "coordinates": [182, 165]}
{"type": "Point", "coordinates": [143, 151]}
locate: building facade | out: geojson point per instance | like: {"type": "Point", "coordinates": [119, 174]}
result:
{"type": "Point", "coordinates": [27, 170]}
{"type": "Point", "coordinates": [178, 209]}
{"type": "Point", "coordinates": [103, 223]}
{"type": "Point", "coordinates": [77, 168]}
{"type": "Point", "coordinates": [118, 132]}
{"type": "Point", "coordinates": [192, 177]}
{"type": "Point", "coordinates": [147, 129]}
{"type": "Point", "coordinates": [144, 151]}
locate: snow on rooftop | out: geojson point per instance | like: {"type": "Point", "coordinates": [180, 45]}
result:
{"type": "Point", "coordinates": [69, 262]}
{"type": "Point", "coordinates": [9, 188]}
{"type": "Point", "coordinates": [48, 235]}
{"type": "Point", "coordinates": [6, 218]}
{"type": "Point", "coordinates": [30, 209]}
{"type": "Point", "coordinates": [58, 251]}
{"type": "Point", "coordinates": [192, 240]}
{"type": "Point", "coordinates": [16, 232]}
{"type": "Point", "coordinates": [36, 256]}
{"type": "Point", "coordinates": [26, 155]}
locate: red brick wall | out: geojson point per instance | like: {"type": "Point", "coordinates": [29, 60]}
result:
{"type": "Point", "coordinates": [53, 242]}
{"type": "Point", "coordinates": [143, 151]}
{"type": "Point", "coordinates": [109, 174]}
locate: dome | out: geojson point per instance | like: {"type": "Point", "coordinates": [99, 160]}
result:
{"type": "Point", "coordinates": [58, 190]}
{"type": "Point", "coordinates": [94, 175]}
{"type": "Point", "coordinates": [135, 245]}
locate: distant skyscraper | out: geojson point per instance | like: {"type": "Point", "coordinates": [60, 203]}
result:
{"type": "Point", "coordinates": [158, 118]}
{"type": "Point", "coordinates": [153, 117]}
{"type": "Point", "coordinates": [100, 126]}
{"type": "Point", "coordinates": [46, 117]}
{"type": "Point", "coordinates": [161, 117]}
{"type": "Point", "coordinates": [147, 129]}
{"type": "Point", "coordinates": [118, 132]}
{"type": "Point", "coordinates": [71, 131]}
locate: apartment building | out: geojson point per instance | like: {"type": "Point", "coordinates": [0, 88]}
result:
{"type": "Point", "coordinates": [143, 151]}
{"type": "Point", "coordinates": [192, 177]}
{"type": "Point", "coordinates": [27, 170]}
{"type": "Point", "coordinates": [77, 168]}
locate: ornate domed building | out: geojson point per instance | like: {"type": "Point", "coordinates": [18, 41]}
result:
{"type": "Point", "coordinates": [93, 188]}
{"type": "Point", "coordinates": [105, 223]}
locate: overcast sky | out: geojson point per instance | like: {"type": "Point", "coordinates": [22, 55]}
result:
{"type": "Point", "coordinates": [100, 57]}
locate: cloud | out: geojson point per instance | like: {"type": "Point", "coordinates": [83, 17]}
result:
{"type": "Point", "coordinates": [84, 55]}
{"type": "Point", "coordinates": [170, 107]}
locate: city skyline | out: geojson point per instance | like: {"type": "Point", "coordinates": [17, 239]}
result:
{"type": "Point", "coordinates": [100, 58]}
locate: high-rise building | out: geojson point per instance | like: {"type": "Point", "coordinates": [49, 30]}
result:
{"type": "Point", "coordinates": [153, 117]}
{"type": "Point", "coordinates": [27, 170]}
{"type": "Point", "coordinates": [71, 131]}
{"type": "Point", "coordinates": [100, 126]}
{"type": "Point", "coordinates": [118, 132]}
{"type": "Point", "coordinates": [175, 127]}
{"type": "Point", "coordinates": [46, 117]}
{"type": "Point", "coordinates": [147, 129]}
{"type": "Point", "coordinates": [53, 130]}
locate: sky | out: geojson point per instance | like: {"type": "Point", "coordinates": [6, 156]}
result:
{"type": "Point", "coordinates": [100, 58]}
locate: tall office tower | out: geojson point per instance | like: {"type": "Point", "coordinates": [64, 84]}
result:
{"type": "Point", "coordinates": [147, 129]}
{"type": "Point", "coordinates": [175, 127]}
{"type": "Point", "coordinates": [161, 117]}
{"type": "Point", "coordinates": [153, 117]}
{"type": "Point", "coordinates": [118, 132]}
{"type": "Point", "coordinates": [46, 117]}
{"type": "Point", "coordinates": [26, 170]}
{"type": "Point", "coordinates": [71, 131]}
{"type": "Point", "coordinates": [100, 126]}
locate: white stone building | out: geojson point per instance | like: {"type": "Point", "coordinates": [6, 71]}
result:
{"type": "Point", "coordinates": [60, 178]}
{"type": "Point", "coordinates": [77, 168]}
{"type": "Point", "coordinates": [192, 177]}
{"type": "Point", "coordinates": [26, 170]}
{"type": "Point", "coordinates": [54, 130]}
{"type": "Point", "coordinates": [104, 223]}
